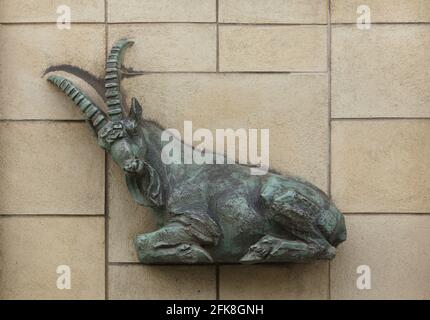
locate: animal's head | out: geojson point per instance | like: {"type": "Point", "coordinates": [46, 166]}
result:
{"type": "Point", "coordinates": [121, 135]}
{"type": "Point", "coordinates": [123, 138]}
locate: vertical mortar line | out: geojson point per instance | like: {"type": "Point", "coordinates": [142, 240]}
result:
{"type": "Point", "coordinates": [217, 36]}
{"type": "Point", "coordinates": [329, 122]}
{"type": "Point", "coordinates": [106, 229]}
{"type": "Point", "coordinates": [106, 180]}
{"type": "Point", "coordinates": [217, 284]}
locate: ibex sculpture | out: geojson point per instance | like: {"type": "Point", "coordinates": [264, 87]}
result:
{"type": "Point", "coordinates": [208, 213]}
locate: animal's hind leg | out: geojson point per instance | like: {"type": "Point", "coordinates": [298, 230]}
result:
{"type": "Point", "coordinates": [170, 244]}
{"type": "Point", "coordinates": [273, 249]}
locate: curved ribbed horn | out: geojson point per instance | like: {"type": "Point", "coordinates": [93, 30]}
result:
{"type": "Point", "coordinates": [114, 98]}
{"type": "Point", "coordinates": [96, 117]}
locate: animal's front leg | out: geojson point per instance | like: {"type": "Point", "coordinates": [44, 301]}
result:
{"type": "Point", "coordinates": [273, 249]}
{"type": "Point", "coordinates": [170, 244]}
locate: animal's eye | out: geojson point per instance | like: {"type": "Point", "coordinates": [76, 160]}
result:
{"type": "Point", "coordinates": [131, 127]}
{"type": "Point", "coordinates": [111, 132]}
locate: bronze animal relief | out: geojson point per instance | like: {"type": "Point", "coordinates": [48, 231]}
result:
{"type": "Point", "coordinates": [208, 213]}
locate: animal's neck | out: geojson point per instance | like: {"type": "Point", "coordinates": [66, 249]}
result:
{"type": "Point", "coordinates": [170, 174]}
{"type": "Point", "coordinates": [152, 133]}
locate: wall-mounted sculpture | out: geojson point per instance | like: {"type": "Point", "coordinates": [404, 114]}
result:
{"type": "Point", "coordinates": [208, 213]}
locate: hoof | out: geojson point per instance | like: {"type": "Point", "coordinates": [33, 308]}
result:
{"type": "Point", "coordinates": [251, 258]}
{"type": "Point", "coordinates": [189, 253]}
{"type": "Point", "coordinates": [258, 252]}
{"type": "Point", "coordinates": [150, 253]}
{"type": "Point", "coordinates": [329, 253]}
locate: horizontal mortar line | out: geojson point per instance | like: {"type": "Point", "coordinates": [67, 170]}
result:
{"type": "Point", "coordinates": [42, 120]}
{"type": "Point", "coordinates": [51, 23]}
{"type": "Point", "coordinates": [142, 73]}
{"type": "Point", "coordinates": [379, 23]}
{"type": "Point", "coordinates": [72, 215]}
{"type": "Point", "coordinates": [274, 72]}
{"type": "Point", "coordinates": [163, 22]}
{"type": "Point", "coordinates": [270, 24]}
{"type": "Point", "coordinates": [387, 213]}
{"type": "Point", "coordinates": [206, 22]}
{"type": "Point", "coordinates": [159, 22]}
{"type": "Point", "coordinates": [214, 22]}
{"type": "Point", "coordinates": [380, 118]}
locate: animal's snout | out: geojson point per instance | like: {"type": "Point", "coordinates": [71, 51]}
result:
{"type": "Point", "coordinates": [133, 165]}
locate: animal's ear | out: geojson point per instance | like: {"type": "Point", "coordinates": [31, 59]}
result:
{"type": "Point", "coordinates": [135, 110]}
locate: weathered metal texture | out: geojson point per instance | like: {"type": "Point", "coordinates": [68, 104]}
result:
{"type": "Point", "coordinates": [208, 213]}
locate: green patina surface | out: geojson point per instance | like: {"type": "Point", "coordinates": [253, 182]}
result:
{"type": "Point", "coordinates": [208, 213]}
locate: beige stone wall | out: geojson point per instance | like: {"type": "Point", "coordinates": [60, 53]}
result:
{"type": "Point", "coordinates": [347, 109]}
